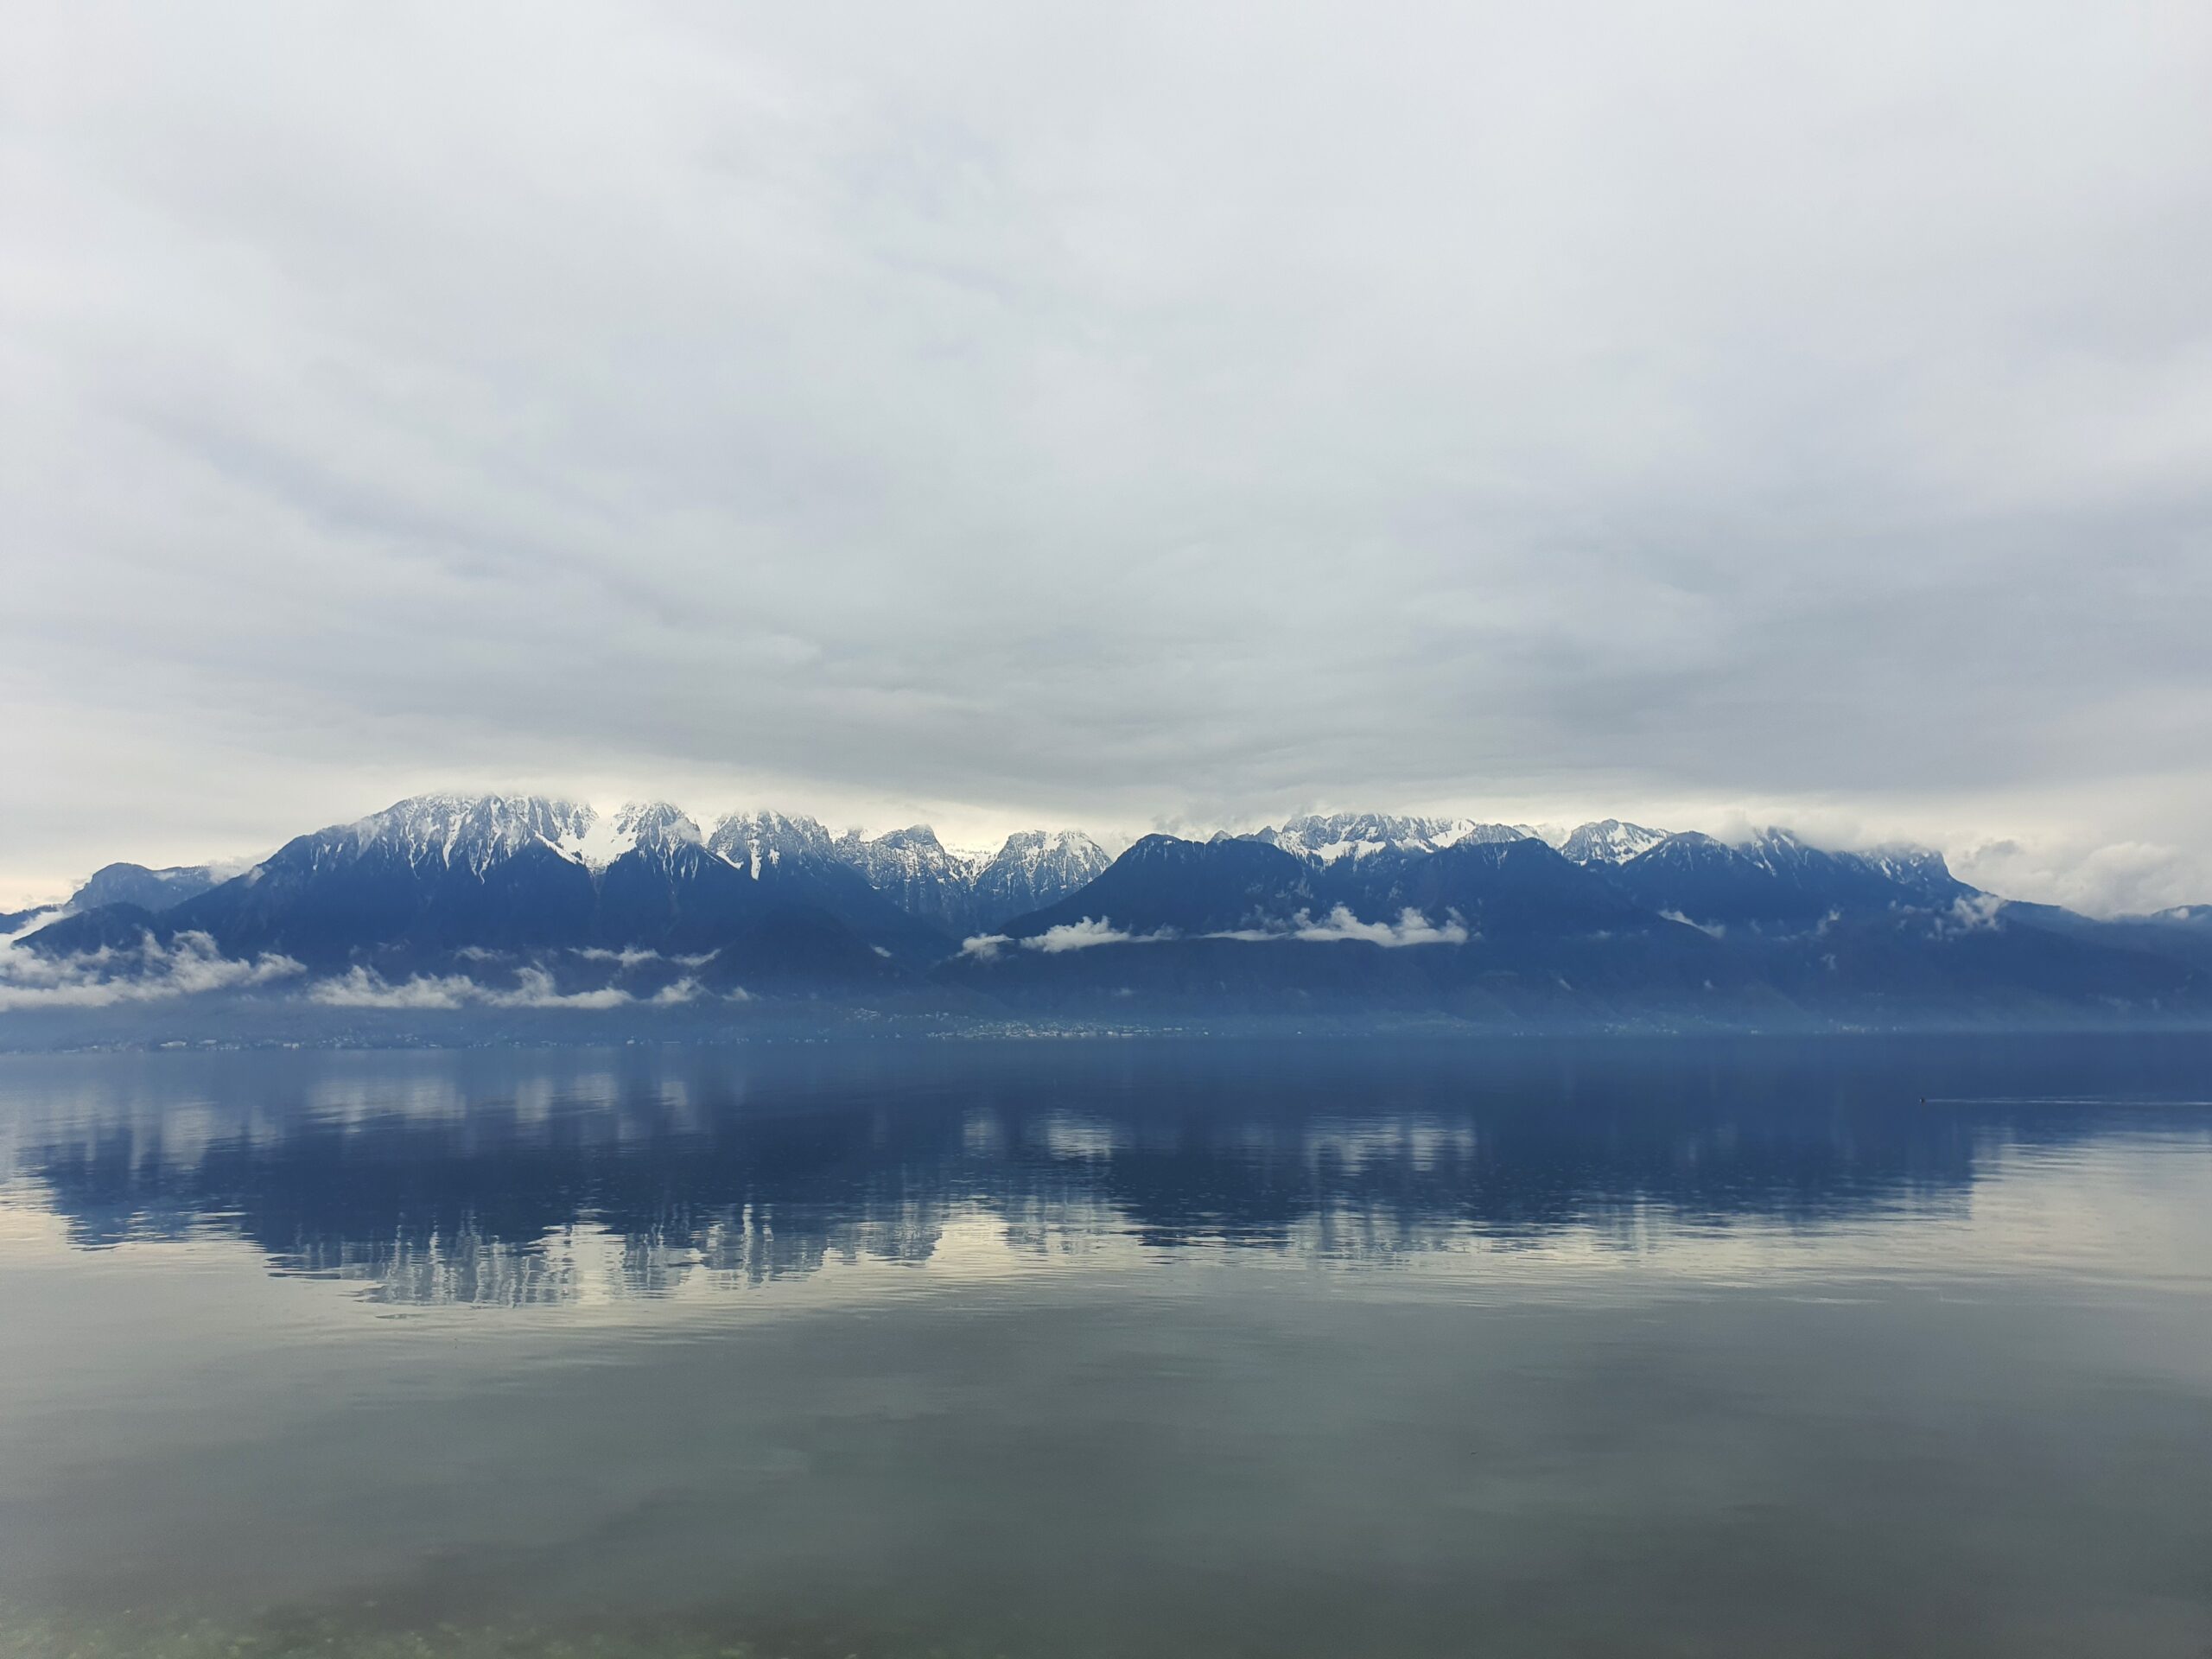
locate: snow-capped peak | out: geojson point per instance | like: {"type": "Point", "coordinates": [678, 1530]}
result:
{"type": "Point", "coordinates": [655, 825]}
{"type": "Point", "coordinates": [902, 857]}
{"type": "Point", "coordinates": [1029, 851]}
{"type": "Point", "coordinates": [1919, 869]}
{"type": "Point", "coordinates": [1774, 847]}
{"type": "Point", "coordinates": [755, 841]}
{"type": "Point", "coordinates": [1610, 841]}
{"type": "Point", "coordinates": [658, 825]}
{"type": "Point", "coordinates": [915, 871]}
{"type": "Point", "coordinates": [1322, 838]}
{"type": "Point", "coordinates": [1035, 867]}
{"type": "Point", "coordinates": [469, 831]}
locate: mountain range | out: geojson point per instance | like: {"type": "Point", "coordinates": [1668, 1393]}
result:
{"type": "Point", "coordinates": [444, 901]}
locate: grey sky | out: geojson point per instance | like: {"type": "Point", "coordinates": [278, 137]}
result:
{"type": "Point", "coordinates": [1182, 413]}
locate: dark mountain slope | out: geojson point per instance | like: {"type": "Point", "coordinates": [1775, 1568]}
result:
{"type": "Point", "coordinates": [1778, 883]}
{"type": "Point", "coordinates": [1165, 884]}
{"type": "Point", "coordinates": [1511, 889]}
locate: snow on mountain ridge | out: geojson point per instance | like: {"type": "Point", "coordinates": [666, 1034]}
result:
{"type": "Point", "coordinates": [1030, 850]}
{"type": "Point", "coordinates": [1773, 849]}
{"type": "Point", "coordinates": [1034, 869]}
{"type": "Point", "coordinates": [657, 824]}
{"type": "Point", "coordinates": [910, 865]}
{"type": "Point", "coordinates": [1320, 838]}
{"type": "Point", "coordinates": [596, 844]}
{"type": "Point", "coordinates": [961, 891]}
{"type": "Point", "coordinates": [958, 890]}
{"type": "Point", "coordinates": [470, 831]}
{"type": "Point", "coordinates": [752, 841]}
{"type": "Point", "coordinates": [1610, 841]}
{"type": "Point", "coordinates": [909, 853]}
{"type": "Point", "coordinates": [913, 868]}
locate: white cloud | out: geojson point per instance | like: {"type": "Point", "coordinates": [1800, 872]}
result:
{"type": "Point", "coordinates": [1087, 933]}
{"type": "Point", "coordinates": [985, 946]}
{"type": "Point", "coordinates": [147, 971]}
{"type": "Point", "coordinates": [633, 956]}
{"type": "Point", "coordinates": [32, 923]}
{"type": "Point", "coordinates": [534, 988]}
{"type": "Point", "coordinates": [359, 989]}
{"type": "Point", "coordinates": [1411, 928]}
{"type": "Point", "coordinates": [2111, 878]}
{"type": "Point", "coordinates": [1978, 912]}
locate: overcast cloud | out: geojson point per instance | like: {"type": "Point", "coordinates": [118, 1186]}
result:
{"type": "Point", "coordinates": [1183, 413]}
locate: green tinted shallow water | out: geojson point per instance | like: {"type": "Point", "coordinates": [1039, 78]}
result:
{"type": "Point", "coordinates": [1775, 1348]}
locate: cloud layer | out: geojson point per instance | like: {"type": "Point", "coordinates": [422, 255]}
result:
{"type": "Point", "coordinates": [146, 972]}
{"type": "Point", "coordinates": [534, 988]}
{"type": "Point", "coordinates": [1411, 927]}
{"type": "Point", "coordinates": [1005, 415]}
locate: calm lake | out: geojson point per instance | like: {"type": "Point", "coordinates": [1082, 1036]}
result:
{"type": "Point", "coordinates": [1759, 1347]}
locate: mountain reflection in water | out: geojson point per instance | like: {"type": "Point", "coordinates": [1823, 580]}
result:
{"type": "Point", "coordinates": [492, 1177]}
{"type": "Point", "coordinates": [1098, 1350]}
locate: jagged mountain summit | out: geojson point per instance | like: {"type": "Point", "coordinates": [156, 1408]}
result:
{"type": "Point", "coordinates": [1324, 838]}
{"type": "Point", "coordinates": [764, 841]}
{"type": "Point", "coordinates": [443, 873]}
{"type": "Point", "coordinates": [971, 893]}
{"type": "Point", "coordinates": [1034, 869]}
{"type": "Point", "coordinates": [913, 869]}
{"type": "Point", "coordinates": [655, 826]}
{"type": "Point", "coordinates": [1916, 869]}
{"type": "Point", "coordinates": [1609, 841]}
{"type": "Point", "coordinates": [510, 901]}
{"type": "Point", "coordinates": [468, 832]}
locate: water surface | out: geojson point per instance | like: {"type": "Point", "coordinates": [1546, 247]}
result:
{"type": "Point", "coordinates": [1757, 1348]}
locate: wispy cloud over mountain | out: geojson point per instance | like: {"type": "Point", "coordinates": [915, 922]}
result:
{"type": "Point", "coordinates": [152, 970]}
{"type": "Point", "coordinates": [1410, 927]}
{"type": "Point", "coordinates": [535, 988]}
{"type": "Point", "coordinates": [2107, 879]}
